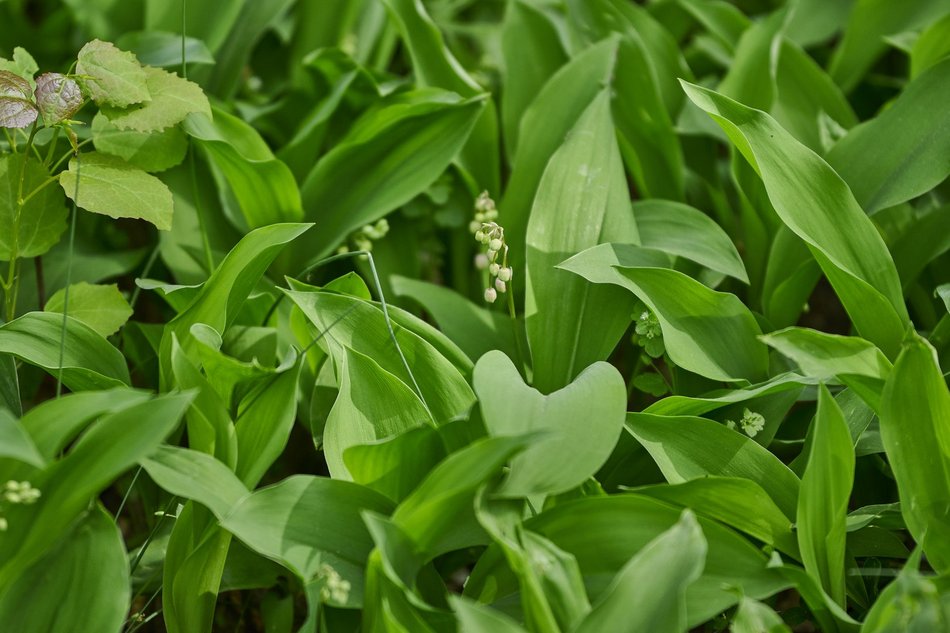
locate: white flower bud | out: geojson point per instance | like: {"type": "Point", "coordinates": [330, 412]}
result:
{"type": "Point", "coordinates": [490, 295]}
{"type": "Point", "coordinates": [481, 261]}
{"type": "Point", "coordinates": [473, 227]}
{"type": "Point", "coordinates": [3, 525]}
{"type": "Point", "coordinates": [500, 285]}
{"type": "Point", "coordinates": [504, 274]}
{"type": "Point", "coordinates": [493, 269]}
{"type": "Point", "coordinates": [495, 244]}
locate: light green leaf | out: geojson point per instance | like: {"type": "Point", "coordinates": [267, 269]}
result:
{"type": "Point", "coordinates": [112, 187]}
{"type": "Point", "coordinates": [578, 425]}
{"type": "Point", "coordinates": [103, 308]}
{"type": "Point", "coordinates": [688, 448]}
{"type": "Point", "coordinates": [582, 200]}
{"type": "Point", "coordinates": [475, 617]}
{"type": "Point", "coordinates": [649, 593]}
{"type": "Point", "coordinates": [112, 76]}
{"type": "Point", "coordinates": [162, 48]}
{"type": "Point", "coordinates": [88, 362]}
{"type": "Point", "coordinates": [197, 476]}
{"type": "Point", "coordinates": [825, 356]}
{"type": "Point", "coordinates": [16, 443]}
{"type": "Point", "coordinates": [823, 213]}
{"type": "Point", "coordinates": [87, 576]}
{"type": "Point", "coordinates": [824, 496]}
{"type": "Point", "coordinates": [932, 46]}
{"type": "Point", "coordinates": [172, 99]}
{"type": "Point", "coordinates": [755, 617]}
{"type": "Point", "coordinates": [396, 465]}
{"type": "Point", "coordinates": [916, 132]}
{"type": "Point", "coordinates": [913, 603]}
{"type": "Point", "coordinates": [915, 410]}
{"type": "Point", "coordinates": [149, 151]}
{"type": "Point", "coordinates": [33, 229]}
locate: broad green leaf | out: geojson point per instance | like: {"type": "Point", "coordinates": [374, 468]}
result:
{"type": "Point", "coordinates": [578, 425]}
{"type": "Point", "coordinates": [112, 76]}
{"type": "Point", "coordinates": [755, 617]}
{"type": "Point", "coordinates": [112, 187]}
{"type": "Point", "coordinates": [824, 214]}
{"type": "Point", "coordinates": [474, 329]}
{"type": "Point", "coordinates": [932, 46]}
{"type": "Point", "coordinates": [926, 239]}
{"type": "Point", "coordinates": [915, 410]}
{"type": "Point", "coordinates": [390, 156]}
{"type": "Point", "coordinates": [544, 126]}
{"type": "Point", "coordinates": [649, 593]}
{"type": "Point", "coordinates": [707, 332]}
{"type": "Point", "coordinates": [533, 52]}
{"type": "Point", "coordinates": [604, 533]}
{"type": "Point", "coordinates": [475, 617]}
{"type": "Point", "coordinates": [88, 360]}
{"type": "Point", "coordinates": [171, 100]}
{"type": "Point", "coordinates": [687, 448]}
{"type": "Point", "coordinates": [33, 229]}
{"type": "Point", "coordinates": [290, 523]}
{"type": "Point", "coordinates": [10, 385]}
{"type": "Point", "coordinates": [683, 231]}
{"type": "Point", "coordinates": [110, 447]}
{"type": "Point", "coordinates": [916, 132]}
{"type": "Point", "coordinates": [372, 404]}
{"type": "Point", "coordinates": [790, 278]}
{"type": "Point", "coordinates": [912, 603]}
{"type": "Point", "coordinates": [825, 356]}
{"type": "Point", "coordinates": [150, 152]}
{"type": "Point", "coordinates": [163, 49]}
{"type": "Point", "coordinates": [15, 442]}
{"type": "Point", "coordinates": [736, 502]}
{"type": "Point", "coordinates": [210, 24]}
{"type": "Point", "coordinates": [823, 499]}
{"type": "Point", "coordinates": [361, 326]}
{"type": "Point", "coordinates": [87, 579]}
{"type": "Point", "coordinates": [103, 308]}
{"type": "Point", "coordinates": [262, 185]}
{"type": "Point", "coordinates": [868, 24]}
{"type": "Point", "coordinates": [815, 21]}
{"type": "Point", "coordinates": [434, 65]}
{"type": "Point", "coordinates": [197, 476]}
{"type": "Point", "coordinates": [698, 405]}
{"type": "Point", "coordinates": [582, 200]}
{"type": "Point", "coordinates": [395, 466]}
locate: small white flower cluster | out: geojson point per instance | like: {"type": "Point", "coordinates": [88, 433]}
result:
{"type": "Point", "coordinates": [18, 492]}
{"type": "Point", "coordinates": [493, 236]}
{"type": "Point", "coordinates": [362, 239]}
{"type": "Point", "coordinates": [751, 423]}
{"type": "Point", "coordinates": [648, 333]}
{"type": "Point", "coordinates": [485, 212]}
{"type": "Point", "coordinates": [336, 589]}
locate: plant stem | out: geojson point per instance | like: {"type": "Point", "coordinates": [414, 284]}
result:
{"type": "Point", "coordinates": [12, 286]}
{"type": "Point", "coordinates": [40, 282]}
{"type": "Point", "coordinates": [69, 275]}
{"type": "Point", "coordinates": [514, 326]}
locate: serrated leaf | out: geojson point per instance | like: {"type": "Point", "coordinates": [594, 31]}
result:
{"type": "Point", "coordinates": [172, 99]}
{"type": "Point", "coordinates": [103, 308]}
{"type": "Point", "coordinates": [58, 97]}
{"type": "Point", "coordinates": [112, 76]}
{"type": "Point", "coordinates": [37, 226]}
{"type": "Point", "coordinates": [16, 104]}
{"type": "Point", "coordinates": [151, 152]}
{"type": "Point", "coordinates": [112, 187]}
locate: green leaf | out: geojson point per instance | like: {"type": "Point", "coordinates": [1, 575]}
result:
{"type": "Point", "coordinates": [915, 408]}
{"type": "Point", "coordinates": [172, 99]}
{"type": "Point", "coordinates": [913, 603]}
{"type": "Point", "coordinates": [578, 425]}
{"type": "Point", "coordinates": [197, 476]}
{"type": "Point", "coordinates": [681, 230]}
{"type": "Point", "coordinates": [824, 214]}
{"type": "Point", "coordinates": [932, 46]}
{"type": "Point", "coordinates": [688, 448]}
{"type": "Point", "coordinates": [112, 76]}
{"type": "Point", "coordinates": [87, 578]}
{"type": "Point", "coordinates": [824, 496]}
{"type": "Point", "coordinates": [755, 617]}
{"type": "Point", "coordinates": [825, 356]}
{"type": "Point", "coordinates": [15, 442]}
{"type": "Point", "coordinates": [17, 109]}
{"type": "Point", "coordinates": [88, 361]}
{"type": "Point", "coordinates": [112, 187]}
{"type": "Point", "coordinates": [161, 48]}
{"type": "Point", "coordinates": [396, 465]}
{"type": "Point", "coordinates": [475, 617]}
{"type": "Point", "coordinates": [649, 593]}
{"type": "Point", "coordinates": [707, 332]}
{"type": "Point", "coordinates": [390, 156]}
{"type": "Point", "coordinates": [103, 308]}
{"type": "Point", "coordinates": [582, 201]}
{"type": "Point", "coordinates": [33, 229]}
{"type": "Point", "coordinates": [263, 186]}
{"type": "Point", "coordinates": [149, 151]}
{"type": "Point", "coordinates": [372, 404]}
{"type": "Point", "coordinates": [916, 132]}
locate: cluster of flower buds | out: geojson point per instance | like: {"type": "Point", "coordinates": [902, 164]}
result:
{"type": "Point", "coordinates": [485, 212]}
{"type": "Point", "coordinates": [495, 259]}
{"type": "Point", "coordinates": [336, 589]}
{"type": "Point", "coordinates": [16, 492]}
{"type": "Point", "coordinates": [647, 332]}
{"type": "Point", "coordinates": [750, 423]}
{"type": "Point", "coordinates": [362, 239]}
